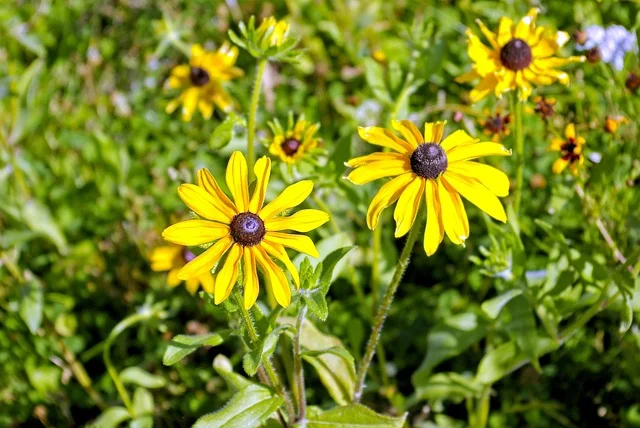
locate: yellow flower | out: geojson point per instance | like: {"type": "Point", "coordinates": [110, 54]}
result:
{"type": "Point", "coordinates": [202, 81]}
{"type": "Point", "coordinates": [246, 231]}
{"type": "Point", "coordinates": [570, 149]}
{"type": "Point", "coordinates": [426, 169]}
{"type": "Point", "coordinates": [298, 139]}
{"type": "Point", "coordinates": [171, 258]}
{"type": "Point", "coordinates": [519, 56]}
{"type": "Point", "coordinates": [272, 32]}
{"type": "Point", "coordinates": [612, 123]}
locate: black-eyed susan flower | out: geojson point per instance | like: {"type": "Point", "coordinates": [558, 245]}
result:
{"type": "Point", "coordinates": [291, 144]}
{"type": "Point", "coordinates": [202, 81]}
{"type": "Point", "coordinates": [570, 149]}
{"type": "Point", "coordinates": [172, 258]}
{"type": "Point", "coordinates": [544, 107]}
{"type": "Point", "coordinates": [496, 125]}
{"type": "Point", "coordinates": [272, 32]}
{"type": "Point", "coordinates": [434, 171]}
{"type": "Point", "coordinates": [245, 230]}
{"type": "Point", "coordinates": [632, 82]}
{"type": "Point", "coordinates": [518, 56]}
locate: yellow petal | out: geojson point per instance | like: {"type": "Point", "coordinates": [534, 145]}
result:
{"type": "Point", "coordinates": [467, 77]}
{"type": "Point", "coordinates": [195, 232]}
{"type": "Point", "coordinates": [434, 231]}
{"type": "Point", "coordinates": [196, 50]}
{"type": "Point", "coordinates": [477, 194]}
{"type": "Point", "coordinates": [250, 276]}
{"type": "Point", "coordinates": [164, 258]}
{"type": "Point", "coordinates": [385, 138]}
{"type": "Point", "coordinates": [375, 157]}
{"type": "Point", "coordinates": [205, 180]}
{"type": "Point", "coordinates": [570, 131]}
{"type": "Point", "coordinates": [376, 170]}
{"type": "Point", "coordinates": [172, 278]}
{"type": "Point", "coordinates": [192, 285]}
{"type": "Point", "coordinates": [206, 108]}
{"type": "Point", "coordinates": [387, 195]}
{"type": "Point", "coordinates": [486, 60]}
{"type": "Point", "coordinates": [302, 221]}
{"type": "Point", "coordinates": [477, 150]}
{"type": "Point", "coordinates": [408, 131]}
{"type": "Point", "coordinates": [559, 165]}
{"type": "Point", "coordinates": [237, 181]}
{"type": "Point", "coordinates": [505, 30]}
{"type": "Point", "coordinates": [524, 85]}
{"type": "Point", "coordinates": [228, 275]}
{"type": "Point", "coordinates": [453, 224]}
{"type": "Point", "coordinates": [262, 170]}
{"type": "Point", "coordinates": [189, 103]}
{"type": "Point", "coordinates": [278, 252]}
{"type": "Point", "coordinates": [526, 25]}
{"type": "Point", "coordinates": [202, 203]}
{"type": "Point", "coordinates": [433, 131]}
{"type": "Point", "coordinates": [205, 261]}
{"type": "Point", "coordinates": [490, 35]}
{"type": "Point", "coordinates": [300, 243]}
{"type": "Point", "coordinates": [207, 282]}
{"type": "Point", "coordinates": [458, 138]}
{"type": "Point", "coordinates": [506, 83]}
{"type": "Point", "coordinates": [486, 86]}
{"type": "Point", "coordinates": [408, 206]}
{"type": "Point", "coordinates": [290, 197]}
{"type": "Point", "coordinates": [277, 280]}
{"type": "Point", "coordinates": [492, 178]}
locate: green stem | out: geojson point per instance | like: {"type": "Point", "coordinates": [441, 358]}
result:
{"type": "Point", "coordinates": [80, 374]}
{"type": "Point", "coordinates": [519, 153]}
{"type": "Point", "coordinates": [270, 370]}
{"type": "Point", "coordinates": [253, 109]}
{"type": "Point", "coordinates": [297, 364]}
{"type": "Point", "coordinates": [383, 310]}
{"type": "Point", "coordinates": [106, 352]}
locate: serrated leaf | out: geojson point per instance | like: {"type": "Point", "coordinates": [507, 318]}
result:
{"type": "Point", "coordinates": [140, 377]}
{"type": "Point", "coordinates": [335, 373]}
{"type": "Point", "coordinates": [265, 349]}
{"type": "Point", "coordinates": [249, 407]}
{"type": "Point", "coordinates": [449, 340]}
{"type": "Point", "coordinates": [494, 306]}
{"type": "Point", "coordinates": [111, 418]}
{"type": "Point", "coordinates": [183, 345]}
{"type": "Point", "coordinates": [317, 303]}
{"type": "Point", "coordinates": [351, 416]}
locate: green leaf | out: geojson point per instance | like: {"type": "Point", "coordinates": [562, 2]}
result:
{"type": "Point", "coordinates": [224, 368]}
{"type": "Point", "coordinates": [506, 358]}
{"type": "Point", "coordinates": [183, 345]}
{"type": "Point", "coordinates": [328, 266]}
{"type": "Point", "coordinates": [39, 219]}
{"type": "Point", "coordinates": [249, 407]}
{"type": "Point", "coordinates": [111, 418]}
{"type": "Point", "coordinates": [627, 313]}
{"type": "Point", "coordinates": [31, 303]}
{"type": "Point", "coordinates": [265, 349]}
{"type": "Point", "coordinates": [493, 307]}
{"type": "Point", "coordinates": [336, 350]}
{"type": "Point", "coordinates": [374, 73]}
{"type": "Point", "coordinates": [335, 372]}
{"type": "Point", "coordinates": [224, 132]}
{"type": "Point", "coordinates": [142, 409]}
{"type": "Point", "coordinates": [448, 340]}
{"type": "Point", "coordinates": [448, 386]}
{"type": "Point", "coordinates": [522, 327]}
{"type": "Point", "coordinates": [351, 416]}
{"type": "Point", "coordinates": [140, 377]}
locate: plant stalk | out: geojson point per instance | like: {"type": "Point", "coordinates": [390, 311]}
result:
{"type": "Point", "coordinates": [297, 364]}
{"type": "Point", "coordinates": [383, 309]}
{"type": "Point", "coordinates": [517, 107]}
{"type": "Point", "coordinates": [253, 110]}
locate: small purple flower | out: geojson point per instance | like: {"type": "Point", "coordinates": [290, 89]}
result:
{"type": "Point", "coordinates": [613, 43]}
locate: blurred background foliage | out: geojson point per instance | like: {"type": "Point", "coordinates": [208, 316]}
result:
{"type": "Point", "coordinates": [90, 163]}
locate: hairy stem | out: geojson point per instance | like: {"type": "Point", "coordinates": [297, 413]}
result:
{"type": "Point", "coordinates": [253, 109]}
{"type": "Point", "coordinates": [519, 153]}
{"type": "Point", "coordinates": [383, 310]}
{"type": "Point", "coordinates": [297, 364]}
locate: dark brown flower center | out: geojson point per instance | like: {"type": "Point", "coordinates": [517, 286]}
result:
{"type": "Point", "coordinates": [199, 76]}
{"type": "Point", "coordinates": [544, 108]}
{"type": "Point", "coordinates": [633, 82]}
{"type": "Point", "coordinates": [247, 229]}
{"type": "Point", "coordinates": [429, 160]}
{"type": "Point", "coordinates": [290, 146]}
{"type": "Point", "coordinates": [516, 55]}
{"type": "Point", "coordinates": [567, 151]}
{"type": "Point", "coordinates": [593, 55]}
{"type": "Point", "coordinates": [497, 124]}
